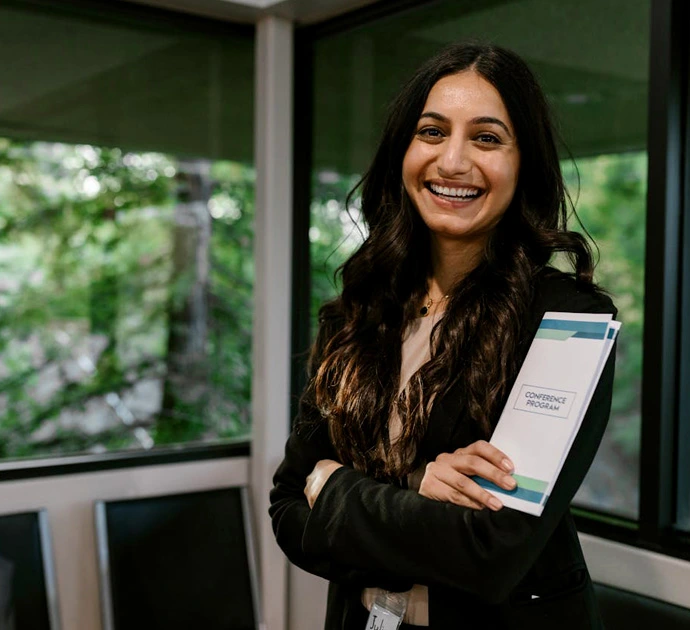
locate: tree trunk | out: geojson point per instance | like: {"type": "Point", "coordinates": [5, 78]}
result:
{"type": "Point", "coordinates": [186, 388]}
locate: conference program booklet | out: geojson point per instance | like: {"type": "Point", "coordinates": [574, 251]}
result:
{"type": "Point", "coordinates": [548, 402]}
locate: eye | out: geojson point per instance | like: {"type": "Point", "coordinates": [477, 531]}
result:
{"type": "Point", "coordinates": [430, 132]}
{"type": "Point", "coordinates": [488, 138]}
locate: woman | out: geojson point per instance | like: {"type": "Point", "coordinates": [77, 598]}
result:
{"type": "Point", "coordinates": [466, 206]}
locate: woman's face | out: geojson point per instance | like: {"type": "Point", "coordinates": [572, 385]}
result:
{"type": "Point", "coordinates": [461, 168]}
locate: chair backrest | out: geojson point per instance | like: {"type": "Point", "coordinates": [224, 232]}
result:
{"type": "Point", "coordinates": [178, 561]}
{"type": "Point", "coordinates": [623, 610]}
{"type": "Point", "coordinates": [28, 597]}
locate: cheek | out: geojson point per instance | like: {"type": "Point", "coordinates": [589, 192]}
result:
{"type": "Point", "coordinates": [408, 170]}
{"type": "Point", "coordinates": [505, 177]}
{"type": "Point", "coordinates": [414, 166]}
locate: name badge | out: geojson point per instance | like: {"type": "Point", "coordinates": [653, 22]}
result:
{"type": "Point", "coordinates": [382, 619]}
{"type": "Point", "coordinates": [387, 612]}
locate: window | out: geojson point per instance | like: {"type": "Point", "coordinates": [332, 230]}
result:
{"type": "Point", "coordinates": [597, 83]}
{"type": "Point", "coordinates": [126, 223]}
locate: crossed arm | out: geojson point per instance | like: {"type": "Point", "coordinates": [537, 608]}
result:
{"type": "Point", "coordinates": [375, 534]}
{"type": "Point", "coordinates": [354, 529]}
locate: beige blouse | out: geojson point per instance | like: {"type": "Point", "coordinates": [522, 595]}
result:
{"type": "Point", "coordinates": [416, 351]}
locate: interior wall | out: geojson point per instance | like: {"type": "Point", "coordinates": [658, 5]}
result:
{"type": "Point", "coordinates": [307, 596]}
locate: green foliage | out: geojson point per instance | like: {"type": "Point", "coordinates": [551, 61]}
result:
{"type": "Point", "coordinates": [231, 304]}
{"type": "Point", "coordinates": [611, 206]}
{"type": "Point", "coordinates": [335, 232]}
{"type": "Point", "coordinates": [86, 288]}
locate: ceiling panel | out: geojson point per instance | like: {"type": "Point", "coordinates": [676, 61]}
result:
{"type": "Point", "coordinates": [249, 11]}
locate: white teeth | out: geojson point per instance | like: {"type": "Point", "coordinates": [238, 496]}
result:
{"type": "Point", "coordinates": [455, 192]}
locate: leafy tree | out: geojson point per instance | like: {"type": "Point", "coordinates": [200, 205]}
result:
{"type": "Point", "coordinates": [87, 289]}
{"type": "Point", "coordinates": [612, 204]}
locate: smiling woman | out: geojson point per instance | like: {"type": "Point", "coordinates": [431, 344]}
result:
{"type": "Point", "coordinates": [465, 206]}
{"type": "Point", "coordinates": [461, 168]}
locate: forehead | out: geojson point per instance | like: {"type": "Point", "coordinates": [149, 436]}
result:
{"type": "Point", "coordinates": [466, 93]}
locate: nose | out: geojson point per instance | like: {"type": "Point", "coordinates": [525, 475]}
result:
{"type": "Point", "coordinates": [454, 159]}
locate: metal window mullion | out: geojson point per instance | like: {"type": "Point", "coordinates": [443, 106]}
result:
{"type": "Point", "coordinates": [683, 440]}
{"type": "Point", "coordinates": [662, 271]}
{"type": "Point", "coordinates": [52, 597]}
{"type": "Point", "coordinates": [103, 557]}
{"type": "Point", "coordinates": [302, 150]}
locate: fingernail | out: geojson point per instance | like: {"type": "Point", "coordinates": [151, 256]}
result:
{"type": "Point", "coordinates": [495, 504]}
{"type": "Point", "coordinates": [509, 482]}
{"type": "Point", "coordinates": [507, 465]}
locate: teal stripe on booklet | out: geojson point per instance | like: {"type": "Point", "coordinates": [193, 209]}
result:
{"type": "Point", "coordinates": [525, 494]}
{"type": "Point", "coordinates": [557, 335]}
{"type": "Point", "coordinates": [562, 329]}
{"type": "Point", "coordinates": [529, 483]}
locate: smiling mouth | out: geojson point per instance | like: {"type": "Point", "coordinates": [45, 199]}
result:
{"type": "Point", "coordinates": [454, 194]}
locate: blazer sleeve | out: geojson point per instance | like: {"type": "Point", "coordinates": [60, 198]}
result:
{"type": "Point", "coordinates": [289, 510]}
{"type": "Point", "coordinates": [361, 523]}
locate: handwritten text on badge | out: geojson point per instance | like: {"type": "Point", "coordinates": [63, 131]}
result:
{"type": "Point", "coordinates": [382, 619]}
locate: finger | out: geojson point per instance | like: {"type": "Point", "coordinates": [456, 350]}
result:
{"type": "Point", "coordinates": [489, 452]}
{"type": "Point", "coordinates": [464, 501]}
{"type": "Point", "coordinates": [467, 464]}
{"type": "Point", "coordinates": [433, 488]}
{"type": "Point", "coordinates": [476, 465]}
{"type": "Point", "coordinates": [470, 489]}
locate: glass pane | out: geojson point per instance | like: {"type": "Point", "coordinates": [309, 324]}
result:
{"type": "Point", "coordinates": [120, 78]}
{"type": "Point", "coordinates": [596, 81]}
{"type": "Point", "coordinates": [335, 232]}
{"type": "Point", "coordinates": [125, 274]}
{"type": "Point", "coordinates": [611, 205]}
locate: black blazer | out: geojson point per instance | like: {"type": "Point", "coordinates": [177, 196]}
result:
{"type": "Point", "coordinates": [502, 569]}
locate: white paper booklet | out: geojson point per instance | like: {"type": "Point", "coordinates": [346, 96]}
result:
{"type": "Point", "coordinates": [548, 402]}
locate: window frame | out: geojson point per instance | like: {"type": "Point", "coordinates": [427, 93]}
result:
{"type": "Point", "coordinates": [665, 433]}
{"type": "Point", "coordinates": [683, 439]}
{"type": "Point", "coordinates": [32, 468]}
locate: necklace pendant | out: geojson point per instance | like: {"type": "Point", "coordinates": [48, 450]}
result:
{"type": "Point", "coordinates": [424, 311]}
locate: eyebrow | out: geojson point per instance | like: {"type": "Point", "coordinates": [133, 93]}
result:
{"type": "Point", "coordinates": [479, 120]}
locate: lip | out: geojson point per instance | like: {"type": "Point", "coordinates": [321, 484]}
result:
{"type": "Point", "coordinates": [450, 183]}
{"type": "Point", "coordinates": [445, 202]}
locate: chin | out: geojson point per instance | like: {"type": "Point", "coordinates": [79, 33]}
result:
{"type": "Point", "coordinates": [451, 229]}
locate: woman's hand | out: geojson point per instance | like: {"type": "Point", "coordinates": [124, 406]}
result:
{"type": "Point", "coordinates": [448, 477]}
{"type": "Point", "coordinates": [318, 478]}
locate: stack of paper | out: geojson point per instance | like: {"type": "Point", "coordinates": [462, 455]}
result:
{"type": "Point", "coordinates": [548, 402]}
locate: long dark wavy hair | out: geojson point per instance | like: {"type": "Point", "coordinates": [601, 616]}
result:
{"type": "Point", "coordinates": [479, 340]}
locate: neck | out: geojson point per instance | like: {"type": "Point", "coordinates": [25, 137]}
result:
{"type": "Point", "coordinates": [451, 261]}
